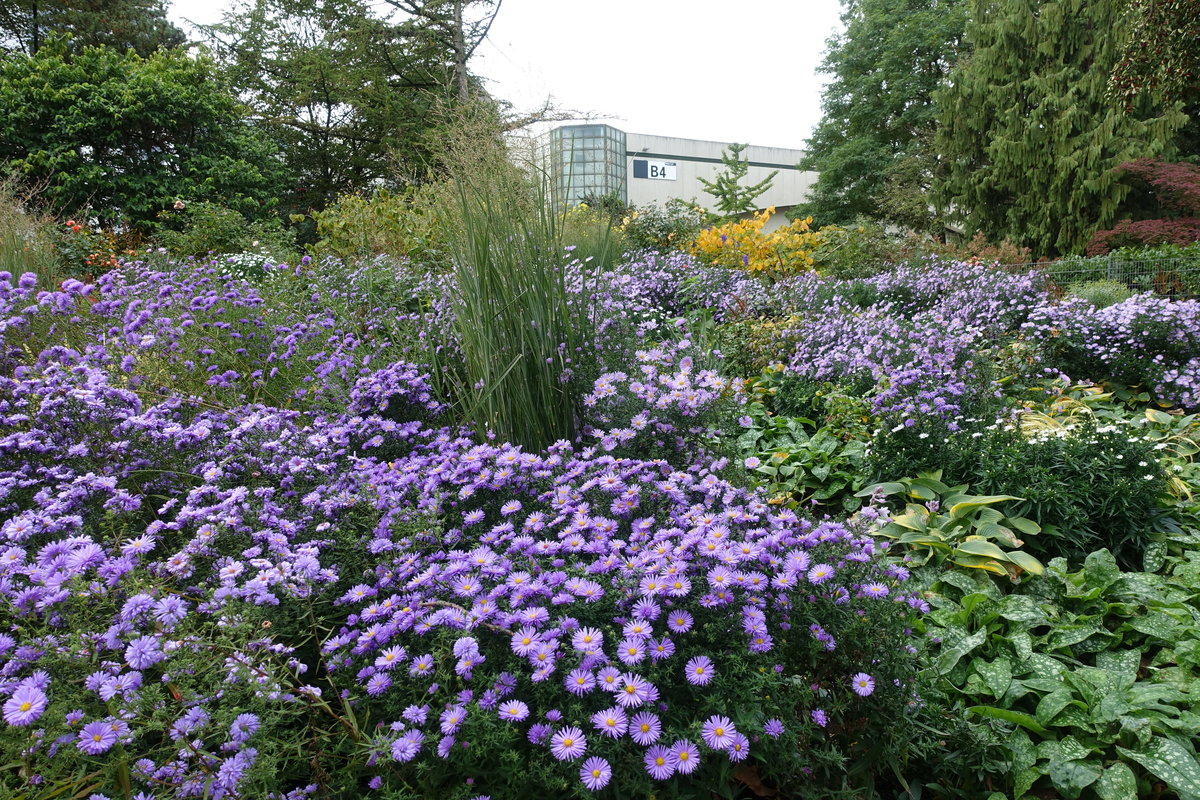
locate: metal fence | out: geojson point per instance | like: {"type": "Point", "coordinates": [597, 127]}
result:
{"type": "Point", "coordinates": [1171, 277]}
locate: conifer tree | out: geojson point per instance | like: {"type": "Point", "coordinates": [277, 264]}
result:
{"type": "Point", "coordinates": [1030, 135]}
{"type": "Point", "coordinates": [733, 198]}
{"type": "Point", "coordinates": [137, 25]}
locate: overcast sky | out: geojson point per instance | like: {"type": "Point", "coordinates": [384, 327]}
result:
{"type": "Point", "coordinates": [721, 70]}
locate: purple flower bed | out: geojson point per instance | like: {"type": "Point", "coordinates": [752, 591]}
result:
{"type": "Point", "coordinates": [921, 340]}
{"type": "Point", "coordinates": [294, 580]}
{"type": "Point", "coordinates": [1147, 340]}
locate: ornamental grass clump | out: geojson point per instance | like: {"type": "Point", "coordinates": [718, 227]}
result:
{"type": "Point", "coordinates": [524, 317]}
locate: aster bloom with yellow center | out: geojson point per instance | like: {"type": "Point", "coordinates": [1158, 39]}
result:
{"type": "Point", "coordinates": [25, 706]}
{"type": "Point", "coordinates": [595, 773]}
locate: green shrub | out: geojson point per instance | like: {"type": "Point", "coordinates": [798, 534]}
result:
{"type": "Point", "coordinates": [1084, 679]}
{"type": "Point", "coordinates": [1088, 486]}
{"type": "Point", "coordinates": [202, 228]}
{"type": "Point", "coordinates": [1101, 294]}
{"type": "Point", "coordinates": [410, 224]}
{"type": "Point", "coordinates": [662, 228]}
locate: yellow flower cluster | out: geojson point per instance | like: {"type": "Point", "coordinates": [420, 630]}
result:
{"type": "Point", "coordinates": [743, 244]}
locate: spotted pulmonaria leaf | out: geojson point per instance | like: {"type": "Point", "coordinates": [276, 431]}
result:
{"type": "Point", "coordinates": [1171, 763]}
{"type": "Point", "coordinates": [1117, 783]}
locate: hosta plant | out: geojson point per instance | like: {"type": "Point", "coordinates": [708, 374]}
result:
{"type": "Point", "coordinates": [946, 524]}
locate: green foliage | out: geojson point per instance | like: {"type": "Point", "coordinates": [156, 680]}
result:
{"type": "Point", "coordinates": [861, 250]}
{"type": "Point", "coordinates": [1088, 677]}
{"type": "Point", "coordinates": [26, 238]}
{"type": "Point", "coordinates": [948, 526]}
{"type": "Point", "coordinates": [518, 320]}
{"type": "Point", "coordinates": [127, 135]}
{"type": "Point", "coordinates": [1161, 55]}
{"type": "Point", "coordinates": [203, 228]}
{"type": "Point", "coordinates": [1088, 486]}
{"type": "Point", "coordinates": [1167, 269]}
{"type": "Point", "coordinates": [1028, 134]}
{"type": "Point", "coordinates": [140, 26]}
{"type": "Point", "coordinates": [400, 224]}
{"type": "Point", "coordinates": [662, 228]}
{"type": "Point", "coordinates": [871, 148]}
{"type": "Point", "coordinates": [733, 198]}
{"type": "Point", "coordinates": [1101, 294]}
{"type": "Point", "coordinates": [796, 465]}
{"type": "Point", "coordinates": [347, 95]}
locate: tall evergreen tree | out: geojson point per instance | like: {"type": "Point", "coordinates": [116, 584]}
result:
{"type": "Point", "coordinates": [138, 25]}
{"type": "Point", "coordinates": [877, 111]}
{"type": "Point", "coordinates": [1030, 136]}
{"type": "Point", "coordinates": [454, 29]}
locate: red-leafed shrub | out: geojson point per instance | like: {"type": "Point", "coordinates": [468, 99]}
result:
{"type": "Point", "coordinates": [1175, 187]}
{"type": "Point", "coordinates": [1130, 233]}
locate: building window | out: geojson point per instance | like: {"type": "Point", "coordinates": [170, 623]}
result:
{"type": "Point", "coordinates": [587, 160]}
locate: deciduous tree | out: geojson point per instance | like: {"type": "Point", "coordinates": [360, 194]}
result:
{"type": "Point", "coordinates": [348, 95]}
{"type": "Point", "coordinates": [877, 112]}
{"type": "Point", "coordinates": [128, 135]}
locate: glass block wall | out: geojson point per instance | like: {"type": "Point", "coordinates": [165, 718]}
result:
{"type": "Point", "coordinates": [588, 160]}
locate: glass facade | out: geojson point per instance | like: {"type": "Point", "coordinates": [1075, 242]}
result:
{"type": "Point", "coordinates": [588, 161]}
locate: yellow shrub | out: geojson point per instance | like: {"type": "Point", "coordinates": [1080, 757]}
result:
{"type": "Point", "coordinates": [742, 244]}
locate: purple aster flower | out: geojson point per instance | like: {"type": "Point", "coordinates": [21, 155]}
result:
{"type": "Point", "coordinates": [635, 690]}
{"type": "Point", "coordinates": [421, 665]}
{"type": "Point", "coordinates": [661, 649]}
{"type": "Point", "coordinates": [679, 621]}
{"type": "Point", "coordinates": [699, 671]}
{"type": "Point", "coordinates": [25, 706]}
{"type": "Point", "coordinates": [685, 757]}
{"type": "Point", "coordinates": [645, 728]}
{"type": "Point", "coordinates": [587, 639]}
{"type": "Point", "coordinates": [863, 684]}
{"type": "Point", "coordinates": [612, 723]}
{"type": "Point", "coordinates": [658, 763]}
{"type": "Point", "coordinates": [416, 714]}
{"type": "Point", "coordinates": [631, 651]}
{"type": "Point", "coordinates": [875, 590]}
{"type": "Point", "coordinates": [580, 682]}
{"type": "Point", "coordinates": [717, 732]}
{"type": "Point", "coordinates": [820, 573]}
{"type": "Point", "coordinates": [595, 773]}
{"type": "Point", "coordinates": [773, 728]}
{"type": "Point", "coordinates": [739, 748]}
{"type": "Point", "coordinates": [568, 743]}
{"type": "Point", "coordinates": [818, 716]}
{"type": "Point", "coordinates": [445, 745]}
{"type": "Point", "coordinates": [538, 732]}
{"type": "Point", "coordinates": [609, 679]}
{"type": "Point", "coordinates": [96, 738]}
{"type": "Point", "coordinates": [243, 727]}
{"type": "Point", "coordinates": [378, 683]}
{"type": "Point", "coordinates": [407, 746]}
{"type": "Point", "coordinates": [143, 652]}
{"type": "Point", "coordinates": [514, 711]}
{"type": "Point", "coordinates": [452, 718]}
{"type": "Point", "coordinates": [390, 657]}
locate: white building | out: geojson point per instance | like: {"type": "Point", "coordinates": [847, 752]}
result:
{"type": "Point", "coordinates": [640, 169]}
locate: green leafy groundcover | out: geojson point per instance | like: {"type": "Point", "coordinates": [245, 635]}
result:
{"type": "Point", "coordinates": [1091, 675]}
